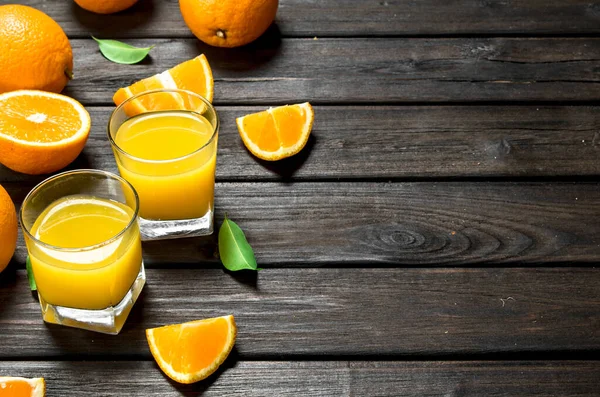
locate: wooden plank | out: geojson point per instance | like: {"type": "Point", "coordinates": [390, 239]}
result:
{"type": "Point", "coordinates": [341, 312]}
{"type": "Point", "coordinates": [328, 378]}
{"type": "Point", "coordinates": [451, 223]}
{"type": "Point", "coordinates": [384, 142]}
{"type": "Point", "coordinates": [349, 18]}
{"type": "Point", "coordinates": [346, 71]}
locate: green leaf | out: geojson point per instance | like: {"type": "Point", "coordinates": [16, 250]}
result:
{"type": "Point", "coordinates": [32, 284]}
{"type": "Point", "coordinates": [118, 52]}
{"type": "Point", "coordinates": [236, 254]}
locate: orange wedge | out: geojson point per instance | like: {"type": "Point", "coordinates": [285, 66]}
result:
{"type": "Point", "coordinates": [277, 133]}
{"type": "Point", "coordinates": [194, 75]}
{"type": "Point", "coordinates": [41, 132]}
{"type": "Point", "coordinates": [22, 387]}
{"type": "Point", "coordinates": [192, 351]}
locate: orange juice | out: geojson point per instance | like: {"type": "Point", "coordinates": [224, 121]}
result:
{"type": "Point", "coordinates": [85, 273]}
{"type": "Point", "coordinates": [171, 163]}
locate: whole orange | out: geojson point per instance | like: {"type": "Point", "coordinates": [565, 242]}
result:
{"type": "Point", "coordinates": [105, 6]}
{"type": "Point", "coordinates": [34, 51]}
{"type": "Point", "coordinates": [8, 228]}
{"type": "Point", "coordinates": [228, 23]}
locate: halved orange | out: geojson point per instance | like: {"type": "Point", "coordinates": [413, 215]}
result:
{"type": "Point", "coordinates": [194, 75]}
{"type": "Point", "coordinates": [41, 132]}
{"type": "Point", "coordinates": [192, 351]}
{"type": "Point", "coordinates": [277, 133]}
{"type": "Point", "coordinates": [22, 387]}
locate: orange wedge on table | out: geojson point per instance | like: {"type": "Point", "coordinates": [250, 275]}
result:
{"type": "Point", "coordinates": [277, 133]}
{"type": "Point", "coordinates": [192, 351]}
{"type": "Point", "coordinates": [194, 75]}
{"type": "Point", "coordinates": [41, 132]}
{"type": "Point", "coordinates": [22, 387]}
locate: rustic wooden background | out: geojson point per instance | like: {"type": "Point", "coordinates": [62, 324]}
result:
{"type": "Point", "coordinates": [437, 237]}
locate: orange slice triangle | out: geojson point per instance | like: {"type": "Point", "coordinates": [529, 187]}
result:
{"type": "Point", "coordinates": [194, 75]}
{"type": "Point", "coordinates": [192, 351]}
{"type": "Point", "coordinates": [278, 132]}
{"type": "Point", "coordinates": [22, 387]}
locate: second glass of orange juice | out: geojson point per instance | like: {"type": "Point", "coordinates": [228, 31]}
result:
{"type": "Point", "coordinates": [165, 145]}
{"type": "Point", "coordinates": [84, 245]}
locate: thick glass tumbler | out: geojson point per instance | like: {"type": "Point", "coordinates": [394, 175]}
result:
{"type": "Point", "coordinates": [165, 145]}
{"type": "Point", "coordinates": [84, 245]}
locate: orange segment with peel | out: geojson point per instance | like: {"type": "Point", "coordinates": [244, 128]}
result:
{"type": "Point", "coordinates": [41, 132]}
{"type": "Point", "coordinates": [194, 75]}
{"type": "Point", "coordinates": [22, 387]}
{"type": "Point", "coordinates": [278, 132]}
{"type": "Point", "coordinates": [192, 351]}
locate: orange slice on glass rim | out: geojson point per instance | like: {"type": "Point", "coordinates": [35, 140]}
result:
{"type": "Point", "coordinates": [192, 351]}
{"type": "Point", "coordinates": [22, 387]}
{"type": "Point", "coordinates": [194, 75]}
{"type": "Point", "coordinates": [277, 133]}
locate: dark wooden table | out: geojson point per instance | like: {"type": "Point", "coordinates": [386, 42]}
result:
{"type": "Point", "coordinates": [437, 237]}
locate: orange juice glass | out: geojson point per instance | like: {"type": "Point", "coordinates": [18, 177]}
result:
{"type": "Point", "coordinates": [84, 245]}
{"type": "Point", "coordinates": [165, 145]}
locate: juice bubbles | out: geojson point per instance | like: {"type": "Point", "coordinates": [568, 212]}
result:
{"type": "Point", "coordinates": [99, 256]}
{"type": "Point", "coordinates": [170, 159]}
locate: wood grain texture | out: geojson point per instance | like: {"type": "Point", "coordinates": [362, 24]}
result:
{"type": "Point", "coordinates": [310, 378]}
{"type": "Point", "coordinates": [450, 223]}
{"type": "Point", "coordinates": [342, 71]}
{"type": "Point", "coordinates": [341, 312]}
{"type": "Point", "coordinates": [162, 18]}
{"type": "Point", "coordinates": [384, 142]}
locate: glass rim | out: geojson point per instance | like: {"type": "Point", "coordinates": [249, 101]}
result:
{"type": "Point", "coordinates": [53, 178]}
{"type": "Point", "coordinates": [167, 161]}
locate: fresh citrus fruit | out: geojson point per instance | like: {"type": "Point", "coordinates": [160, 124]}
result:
{"type": "Point", "coordinates": [194, 75]}
{"type": "Point", "coordinates": [8, 229]}
{"type": "Point", "coordinates": [105, 6]}
{"type": "Point", "coordinates": [191, 351]}
{"type": "Point", "coordinates": [34, 51]}
{"type": "Point", "coordinates": [41, 132]}
{"type": "Point", "coordinates": [228, 23]}
{"type": "Point", "coordinates": [277, 133]}
{"type": "Point", "coordinates": [22, 387]}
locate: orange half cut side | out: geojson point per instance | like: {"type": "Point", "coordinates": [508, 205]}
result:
{"type": "Point", "coordinates": [41, 132]}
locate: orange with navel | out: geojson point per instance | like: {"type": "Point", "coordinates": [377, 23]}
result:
{"type": "Point", "coordinates": [34, 51]}
{"type": "Point", "coordinates": [105, 6]}
{"type": "Point", "coordinates": [8, 229]}
{"type": "Point", "coordinates": [228, 23]}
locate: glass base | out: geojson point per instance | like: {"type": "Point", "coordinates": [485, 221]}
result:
{"type": "Point", "coordinates": [164, 230]}
{"type": "Point", "coordinates": [107, 321]}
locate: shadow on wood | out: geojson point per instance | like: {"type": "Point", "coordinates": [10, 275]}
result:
{"type": "Point", "coordinates": [128, 20]}
{"type": "Point", "coordinates": [83, 161]}
{"type": "Point", "coordinates": [286, 168]}
{"type": "Point", "coordinates": [246, 277]}
{"type": "Point", "coordinates": [198, 388]}
{"type": "Point", "coordinates": [245, 58]}
{"type": "Point", "coordinates": [204, 249]}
